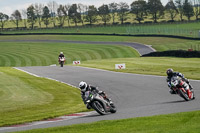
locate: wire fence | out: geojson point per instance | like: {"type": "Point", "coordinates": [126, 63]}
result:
{"type": "Point", "coordinates": [176, 29]}
{"type": "Point", "coordinates": [164, 31]}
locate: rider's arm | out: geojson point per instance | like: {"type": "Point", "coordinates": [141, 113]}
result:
{"type": "Point", "coordinates": [180, 75]}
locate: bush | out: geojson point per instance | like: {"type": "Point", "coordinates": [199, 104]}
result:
{"type": "Point", "coordinates": [148, 22]}
{"type": "Point", "coordinates": [174, 53]}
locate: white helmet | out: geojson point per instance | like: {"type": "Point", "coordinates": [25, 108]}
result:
{"type": "Point", "coordinates": [61, 52]}
{"type": "Point", "coordinates": [83, 86]}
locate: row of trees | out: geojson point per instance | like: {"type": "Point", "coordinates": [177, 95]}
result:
{"type": "Point", "coordinates": [79, 13]}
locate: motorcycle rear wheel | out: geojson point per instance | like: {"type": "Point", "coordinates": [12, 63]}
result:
{"type": "Point", "coordinates": [113, 109]}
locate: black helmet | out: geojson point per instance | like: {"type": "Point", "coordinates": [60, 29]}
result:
{"type": "Point", "coordinates": [169, 72]}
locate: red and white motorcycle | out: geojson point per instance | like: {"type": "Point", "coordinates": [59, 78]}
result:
{"type": "Point", "coordinates": [182, 88]}
{"type": "Point", "coordinates": [61, 61]}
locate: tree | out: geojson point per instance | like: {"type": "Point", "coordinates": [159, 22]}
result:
{"type": "Point", "coordinates": [24, 17]}
{"type": "Point", "coordinates": [16, 17]}
{"type": "Point", "coordinates": [171, 9]}
{"type": "Point", "coordinates": [38, 12]}
{"type": "Point", "coordinates": [156, 9]}
{"type": "Point", "coordinates": [113, 7]}
{"type": "Point", "coordinates": [3, 19]}
{"type": "Point", "coordinates": [179, 4]}
{"type": "Point", "coordinates": [103, 12]}
{"type": "Point", "coordinates": [53, 6]}
{"type": "Point", "coordinates": [91, 15]}
{"type": "Point", "coordinates": [139, 8]}
{"type": "Point", "coordinates": [123, 11]}
{"type": "Point", "coordinates": [188, 9]}
{"type": "Point", "coordinates": [31, 16]}
{"type": "Point", "coordinates": [46, 15]}
{"type": "Point", "coordinates": [82, 10]}
{"type": "Point", "coordinates": [67, 7]}
{"type": "Point", "coordinates": [74, 15]}
{"type": "Point", "coordinates": [61, 15]}
{"type": "Point", "coordinates": [196, 8]}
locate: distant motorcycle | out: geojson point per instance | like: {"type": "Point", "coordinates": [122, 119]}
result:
{"type": "Point", "coordinates": [61, 61]}
{"type": "Point", "coordinates": [98, 103]}
{"type": "Point", "coordinates": [177, 84]}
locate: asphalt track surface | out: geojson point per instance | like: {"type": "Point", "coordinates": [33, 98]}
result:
{"type": "Point", "coordinates": [134, 95]}
{"type": "Point", "coordinates": [141, 48]}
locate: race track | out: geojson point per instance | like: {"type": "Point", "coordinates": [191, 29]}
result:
{"type": "Point", "coordinates": [134, 95]}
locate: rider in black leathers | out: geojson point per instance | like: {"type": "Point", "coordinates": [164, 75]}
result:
{"type": "Point", "coordinates": [85, 87]}
{"type": "Point", "coordinates": [170, 74]}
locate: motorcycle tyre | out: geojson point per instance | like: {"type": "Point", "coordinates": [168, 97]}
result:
{"type": "Point", "coordinates": [113, 109]}
{"type": "Point", "coordinates": [183, 95]}
{"type": "Point", "coordinates": [96, 105]}
{"type": "Point", "coordinates": [61, 64]}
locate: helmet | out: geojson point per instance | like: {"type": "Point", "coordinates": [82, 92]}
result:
{"type": "Point", "coordinates": [169, 72]}
{"type": "Point", "coordinates": [61, 52]}
{"type": "Point", "coordinates": [83, 85]}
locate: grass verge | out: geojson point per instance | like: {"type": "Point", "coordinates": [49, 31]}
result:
{"type": "Point", "coordinates": [46, 53]}
{"type": "Point", "coordinates": [158, 43]}
{"type": "Point", "coordinates": [150, 65]}
{"type": "Point", "coordinates": [173, 123]}
{"type": "Point", "coordinates": [25, 98]}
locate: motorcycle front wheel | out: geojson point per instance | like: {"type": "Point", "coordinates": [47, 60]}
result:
{"type": "Point", "coordinates": [96, 105]}
{"type": "Point", "coordinates": [184, 95]}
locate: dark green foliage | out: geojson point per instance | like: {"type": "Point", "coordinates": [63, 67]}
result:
{"type": "Point", "coordinates": [188, 9]}
{"type": "Point", "coordinates": [74, 15]}
{"type": "Point", "coordinates": [46, 15]}
{"type": "Point", "coordinates": [175, 53]}
{"type": "Point", "coordinates": [139, 8]}
{"type": "Point", "coordinates": [92, 14]}
{"type": "Point", "coordinates": [31, 16]}
{"type": "Point", "coordinates": [156, 9]}
{"type": "Point", "coordinates": [171, 9]}
{"type": "Point", "coordinates": [104, 13]}
{"type": "Point", "coordinates": [16, 17]}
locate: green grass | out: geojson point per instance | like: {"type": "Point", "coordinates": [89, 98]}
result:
{"type": "Point", "coordinates": [25, 98]}
{"type": "Point", "coordinates": [150, 65]}
{"type": "Point", "coordinates": [158, 43]}
{"type": "Point", "coordinates": [189, 29]}
{"type": "Point", "coordinates": [46, 53]}
{"type": "Point", "coordinates": [173, 123]}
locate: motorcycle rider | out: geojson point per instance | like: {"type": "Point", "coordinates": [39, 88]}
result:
{"type": "Point", "coordinates": [86, 87]}
{"type": "Point", "coordinates": [61, 55]}
{"type": "Point", "coordinates": [170, 74]}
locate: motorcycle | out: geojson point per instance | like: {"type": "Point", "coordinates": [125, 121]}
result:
{"type": "Point", "coordinates": [177, 84]}
{"type": "Point", "coordinates": [61, 61]}
{"type": "Point", "coordinates": [98, 103]}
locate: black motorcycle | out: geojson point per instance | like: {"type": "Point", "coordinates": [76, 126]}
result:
{"type": "Point", "coordinates": [98, 103]}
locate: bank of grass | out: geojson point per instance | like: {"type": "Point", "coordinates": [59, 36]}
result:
{"type": "Point", "coordinates": [25, 98]}
{"type": "Point", "coordinates": [150, 65]}
{"type": "Point", "coordinates": [179, 28]}
{"type": "Point", "coordinates": [172, 123]}
{"type": "Point", "coordinates": [46, 53]}
{"type": "Point", "coordinates": [158, 43]}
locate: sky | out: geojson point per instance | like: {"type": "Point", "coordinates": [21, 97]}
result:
{"type": "Point", "coordinates": [9, 6]}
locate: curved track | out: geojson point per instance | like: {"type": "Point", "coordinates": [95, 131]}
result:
{"type": "Point", "coordinates": [141, 48]}
{"type": "Point", "coordinates": [134, 95]}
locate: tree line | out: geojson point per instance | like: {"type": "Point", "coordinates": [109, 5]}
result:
{"type": "Point", "coordinates": [79, 13]}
